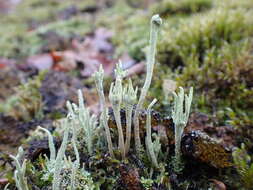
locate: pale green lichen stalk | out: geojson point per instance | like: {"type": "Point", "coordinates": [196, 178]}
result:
{"type": "Point", "coordinates": [6, 186]}
{"type": "Point", "coordinates": [87, 122]}
{"type": "Point", "coordinates": [60, 155]}
{"type": "Point", "coordinates": [99, 76]}
{"type": "Point", "coordinates": [50, 163]}
{"type": "Point", "coordinates": [74, 168]}
{"type": "Point", "coordinates": [74, 126]}
{"type": "Point", "coordinates": [19, 174]}
{"type": "Point", "coordinates": [156, 23]}
{"type": "Point", "coordinates": [50, 143]}
{"type": "Point", "coordinates": [180, 115]}
{"type": "Point", "coordinates": [129, 99]}
{"type": "Point", "coordinates": [149, 144]}
{"type": "Point", "coordinates": [115, 97]}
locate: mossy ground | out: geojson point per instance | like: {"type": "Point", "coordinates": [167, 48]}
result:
{"type": "Point", "coordinates": [205, 44]}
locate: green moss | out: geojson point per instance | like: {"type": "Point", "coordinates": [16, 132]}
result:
{"type": "Point", "coordinates": [242, 122]}
{"type": "Point", "coordinates": [26, 103]}
{"type": "Point", "coordinates": [170, 7]}
{"type": "Point", "coordinates": [244, 167]}
{"type": "Point", "coordinates": [223, 78]}
{"type": "Point", "coordinates": [134, 36]}
{"type": "Point", "coordinates": [21, 35]}
{"type": "Point", "coordinates": [130, 29]}
{"type": "Point", "coordinates": [234, 4]}
{"type": "Point", "coordinates": [190, 40]}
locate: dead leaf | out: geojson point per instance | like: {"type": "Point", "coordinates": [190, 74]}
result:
{"type": "Point", "coordinates": [65, 61]}
{"type": "Point", "coordinates": [57, 56]}
{"type": "Point", "coordinates": [136, 69]}
{"type": "Point", "coordinates": [6, 62]}
{"type": "Point", "coordinates": [218, 184]}
{"type": "Point", "coordinates": [41, 62]}
{"type": "Point", "coordinates": [127, 61]}
{"type": "Point", "coordinates": [8, 6]}
{"type": "Point", "coordinates": [89, 54]}
{"type": "Point", "coordinates": [4, 181]}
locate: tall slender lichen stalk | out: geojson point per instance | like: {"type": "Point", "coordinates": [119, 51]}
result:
{"type": "Point", "coordinates": [73, 118]}
{"type": "Point", "coordinates": [50, 143]}
{"type": "Point", "coordinates": [129, 99]}
{"type": "Point", "coordinates": [19, 173]}
{"type": "Point", "coordinates": [180, 115]}
{"type": "Point", "coordinates": [59, 158]}
{"type": "Point", "coordinates": [99, 76]}
{"type": "Point", "coordinates": [156, 23]}
{"type": "Point", "coordinates": [115, 97]}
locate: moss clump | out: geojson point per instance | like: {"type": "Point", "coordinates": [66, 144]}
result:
{"type": "Point", "coordinates": [83, 180]}
{"type": "Point", "coordinates": [26, 103]}
{"type": "Point", "coordinates": [223, 78]}
{"type": "Point", "coordinates": [244, 166]}
{"type": "Point", "coordinates": [21, 35]}
{"type": "Point", "coordinates": [134, 36]}
{"type": "Point", "coordinates": [170, 7]}
{"type": "Point", "coordinates": [190, 40]}
{"type": "Point", "coordinates": [130, 28]}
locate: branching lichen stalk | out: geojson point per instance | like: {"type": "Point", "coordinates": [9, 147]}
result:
{"type": "Point", "coordinates": [19, 174]}
{"type": "Point", "coordinates": [180, 115]}
{"type": "Point", "coordinates": [99, 76]}
{"type": "Point", "coordinates": [129, 99]}
{"type": "Point", "coordinates": [115, 97]}
{"type": "Point", "coordinates": [156, 23]}
{"type": "Point", "coordinates": [88, 123]}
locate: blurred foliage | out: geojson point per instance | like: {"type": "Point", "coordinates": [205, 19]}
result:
{"type": "Point", "coordinates": [242, 122]}
{"type": "Point", "coordinates": [204, 43]}
{"type": "Point", "coordinates": [171, 7]}
{"type": "Point", "coordinates": [244, 165]}
{"type": "Point", "coordinates": [190, 40]}
{"type": "Point", "coordinates": [26, 103]}
{"type": "Point", "coordinates": [223, 78]}
{"type": "Point", "coordinates": [23, 28]}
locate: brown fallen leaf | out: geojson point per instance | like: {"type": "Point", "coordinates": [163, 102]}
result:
{"type": "Point", "coordinates": [87, 55]}
{"type": "Point", "coordinates": [6, 62]}
{"type": "Point", "coordinates": [64, 61]}
{"type": "Point", "coordinates": [127, 61]}
{"type": "Point", "coordinates": [95, 50]}
{"type": "Point", "coordinates": [136, 69]}
{"type": "Point", "coordinates": [41, 61]}
{"type": "Point", "coordinates": [4, 181]}
{"type": "Point", "coordinates": [218, 184]}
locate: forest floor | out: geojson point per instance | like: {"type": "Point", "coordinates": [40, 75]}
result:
{"type": "Point", "coordinates": [50, 49]}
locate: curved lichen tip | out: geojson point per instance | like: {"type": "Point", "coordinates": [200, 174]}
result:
{"type": "Point", "coordinates": [156, 19]}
